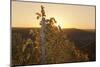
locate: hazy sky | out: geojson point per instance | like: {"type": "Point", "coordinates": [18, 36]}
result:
{"type": "Point", "coordinates": [67, 16]}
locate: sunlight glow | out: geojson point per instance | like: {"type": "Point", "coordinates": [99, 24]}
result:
{"type": "Point", "coordinates": [67, 16]}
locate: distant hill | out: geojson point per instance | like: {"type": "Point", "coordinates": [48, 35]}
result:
{"type": "Point", "coordinates": [79, 34]}
{"type": "Point", "coordinates": [85, 39]}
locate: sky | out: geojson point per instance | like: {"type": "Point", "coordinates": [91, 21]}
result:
{"type": "Point", "coordinates": [67, 16]}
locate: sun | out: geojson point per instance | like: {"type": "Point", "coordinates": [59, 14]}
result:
{"type": "Point", "coordinates": [62, 23]}
{"type": "Point", "coordinates": [59, 21]}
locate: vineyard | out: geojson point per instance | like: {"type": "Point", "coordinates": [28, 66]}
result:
{"type": "Point", "coordinates": [26, 47]}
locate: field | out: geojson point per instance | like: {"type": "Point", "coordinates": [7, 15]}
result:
{"type": "Point", "coordinates": [69, 45]}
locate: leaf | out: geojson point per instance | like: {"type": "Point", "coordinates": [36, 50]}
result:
{"type": "Point", "coordinates": [38, 14]}
{"type": "Point", "coordinates": [38, 17]}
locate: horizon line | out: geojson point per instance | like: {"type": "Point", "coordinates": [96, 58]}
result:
{"type": "Point", "coordinates": [61, 28]}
